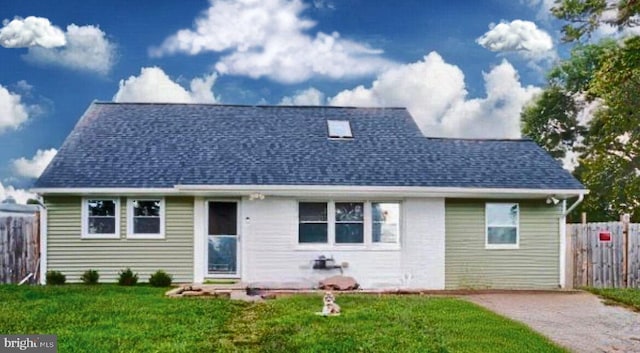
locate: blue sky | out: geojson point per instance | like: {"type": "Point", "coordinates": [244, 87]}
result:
{"type": "Point", "coordinates": [463, 68]}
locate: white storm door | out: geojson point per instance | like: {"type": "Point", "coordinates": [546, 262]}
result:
{"type": "Point", "coordinates": [222, 239]}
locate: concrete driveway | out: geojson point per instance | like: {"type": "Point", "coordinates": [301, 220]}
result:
{"type": "Point", "coordinates": [578, 321]}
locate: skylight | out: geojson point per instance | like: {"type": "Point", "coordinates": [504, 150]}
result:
{"type": "Point", "coordinates": [339, 129]}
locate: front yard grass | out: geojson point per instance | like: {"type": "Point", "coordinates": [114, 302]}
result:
{"type": "Point", "coordinates": [378, 324]}
{"type": "Point", "coordinates": [107, 318]}
{"type": "Point", "coordinates": [110, 318]}
{"type": "Point", "coordinates": [626, 296]}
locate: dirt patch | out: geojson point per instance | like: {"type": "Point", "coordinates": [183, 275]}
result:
{"type": "Point", "coordinates": [579, 321]}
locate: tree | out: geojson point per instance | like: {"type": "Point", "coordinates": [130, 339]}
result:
{"type": "Point", "coordinates": [611, 164]}
{"type": "Point", "coordinates": [575, 74]}
{"type": "Point", "coordinates": [551, 121]}
{"type": "Point", "coordinates": [551, 118]}
{"type": "Point", "coordinates": [585, 16]}
{"type": "Point", "coordinates": [608, 143]}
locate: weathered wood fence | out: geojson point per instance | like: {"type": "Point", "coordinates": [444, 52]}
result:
{"type": "Point", "coordinates": [604, 254]}
{"type": "Point", "coordinates": [19, 246]}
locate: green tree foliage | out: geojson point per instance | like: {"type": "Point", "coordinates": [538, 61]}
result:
{"type": "Point", "coordinates": [551, 121]}
{"type": "Point", "coordinates": [609, 146]}
{"type": "Point", "coordinates": [611, 164]}
{"type": "Point", "coordinates": [575, 74]}
{"type": "Point", "coordinates": [585, 16]}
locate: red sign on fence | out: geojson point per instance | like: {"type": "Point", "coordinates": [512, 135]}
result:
{"type": "Point", "coordinates": [604, 236]}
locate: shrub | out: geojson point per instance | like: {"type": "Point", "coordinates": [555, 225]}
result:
{"type": "Point", "coordinates": [55, 277]}
{"type": "Point", "coordinates": [127, 278]}
{"type": "Point", "coordinates": [160, 279]}
{"type": "Point", "coordinates": [90, 277]}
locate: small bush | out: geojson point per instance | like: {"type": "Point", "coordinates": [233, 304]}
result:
{"type": "Point", "coordinates": [160, 279]}
{"type": "Point", "coordinates": [127, 278]}
{"type": "Point", "coordinates": [55, 277]}
{"type": "Point", "coordinates": [90, 277]}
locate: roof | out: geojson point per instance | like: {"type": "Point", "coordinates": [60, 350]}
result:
{"type": "Point", "coordinates": [140, 145]}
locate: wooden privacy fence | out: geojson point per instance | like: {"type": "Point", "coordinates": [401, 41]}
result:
{"type": "Point", "coordinates": [604, 254]}
{"type": "Point", "coordinates": [19, 246]}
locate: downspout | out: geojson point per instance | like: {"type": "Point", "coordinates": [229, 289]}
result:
{"type": "Point", "coordinates": [575, 204]}
{"type": "Point", "coordinates": [43, 243]}
{"type": "Point", "coordinates": [563, 237]}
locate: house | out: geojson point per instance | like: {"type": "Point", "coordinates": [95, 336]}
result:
{"type": "Point", "coordinates": [258, 193]}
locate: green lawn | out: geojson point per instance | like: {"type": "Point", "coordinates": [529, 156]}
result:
{"type": "Point", "coordinates": [626, 296]}
{"type": "Point", "coordinates": [109, 318]}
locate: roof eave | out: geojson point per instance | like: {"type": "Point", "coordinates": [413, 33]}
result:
{"type": "Point", "coordinates": [324, 191]}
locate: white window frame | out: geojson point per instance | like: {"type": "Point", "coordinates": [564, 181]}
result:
{"type": "Point", "coordinates": [85, 219]}
{"type": "Point", "coordinates": [328, 222]}
{"type": "Point", "coordinates": [367, 244]}
{"type": "Point", "coordinates": [130, 233]}
{"type": "Point", "coordinates": [335, 223]}
{"type": "Point", "coordinates": [487, 225]}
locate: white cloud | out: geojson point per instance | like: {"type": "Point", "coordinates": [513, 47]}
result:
{"type": "Point", "coordinates": [153, 85]}
{"type": "Point", "coordinates": [13, 112]}
{"type": "Point", "coordinates": [497, 114]}
{"type": "Point", "coordinates": [310, 96]}
{"type": "Point", "coordinates": [427, 88]}
{"type": "Point", "coordinates": [434, 93]}
{"type": "Point", "coordinates": [87, 49]}
{"type": "Point", "coordinates": [24, 86]}
{"type": "Point", "coordinates": [30, 32]}
{"type": "Point", "coordinates": [267, 38]}
{"type": "Point", "coordinates": [21, 196]}
{"type": "Point", "coordinates": [543, 6]}
{"type": "Point", "coordinates": [324, 4]}
{"type": "Point", "coordinates": [32, 168]}
{"type": "Point", "coordinates": [523, 37]}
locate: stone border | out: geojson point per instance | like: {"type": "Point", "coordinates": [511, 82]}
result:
{"type": "Point", "coordinates": [240, 292]}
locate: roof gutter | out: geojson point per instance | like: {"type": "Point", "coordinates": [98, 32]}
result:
{"type": "Point", "coordinates": [391, 191]}
{"type": "Point", "coordinates": [321, 191]}
{"type": "Point", "coordinates": [575, 204]}
{"type": "Point", "coordinates": [105, 191]}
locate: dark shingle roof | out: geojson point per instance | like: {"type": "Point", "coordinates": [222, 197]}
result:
{"type": "Point", "coordinates": [162, 145]}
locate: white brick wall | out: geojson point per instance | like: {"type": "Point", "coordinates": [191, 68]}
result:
{"type": "Point", "coordinates": [270, 251]}
{"type": "Point", "coordinates": [424, 244]}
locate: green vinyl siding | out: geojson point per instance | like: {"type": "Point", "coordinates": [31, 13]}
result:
{"type": "Point", "coordinates": [468, 264]}
{"type": "Point", "coordinates": [69, 253]}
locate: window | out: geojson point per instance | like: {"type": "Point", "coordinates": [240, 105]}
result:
{"type": "Point", "coordinates": [223, 218]}
{"type": "Point", "coordinates": [502, 221]}
{"type": "Point", "coordinates": [361, 224]}
{"type": "Point", "coordinates": [312, 227]}
{"type": "Point", "coordinates": [385, 219]}
{"type": "Point", "coordinates": [145, 218]}
{"type": "Point", "coordinates": [349, 222]}
{"type": "Point", "coordinates": [100, 218]}
{"type": "Point", "coordinates": [339, 129]}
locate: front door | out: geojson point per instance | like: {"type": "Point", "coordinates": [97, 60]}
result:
{"type": "Point", "coordinates": [222, 239]}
